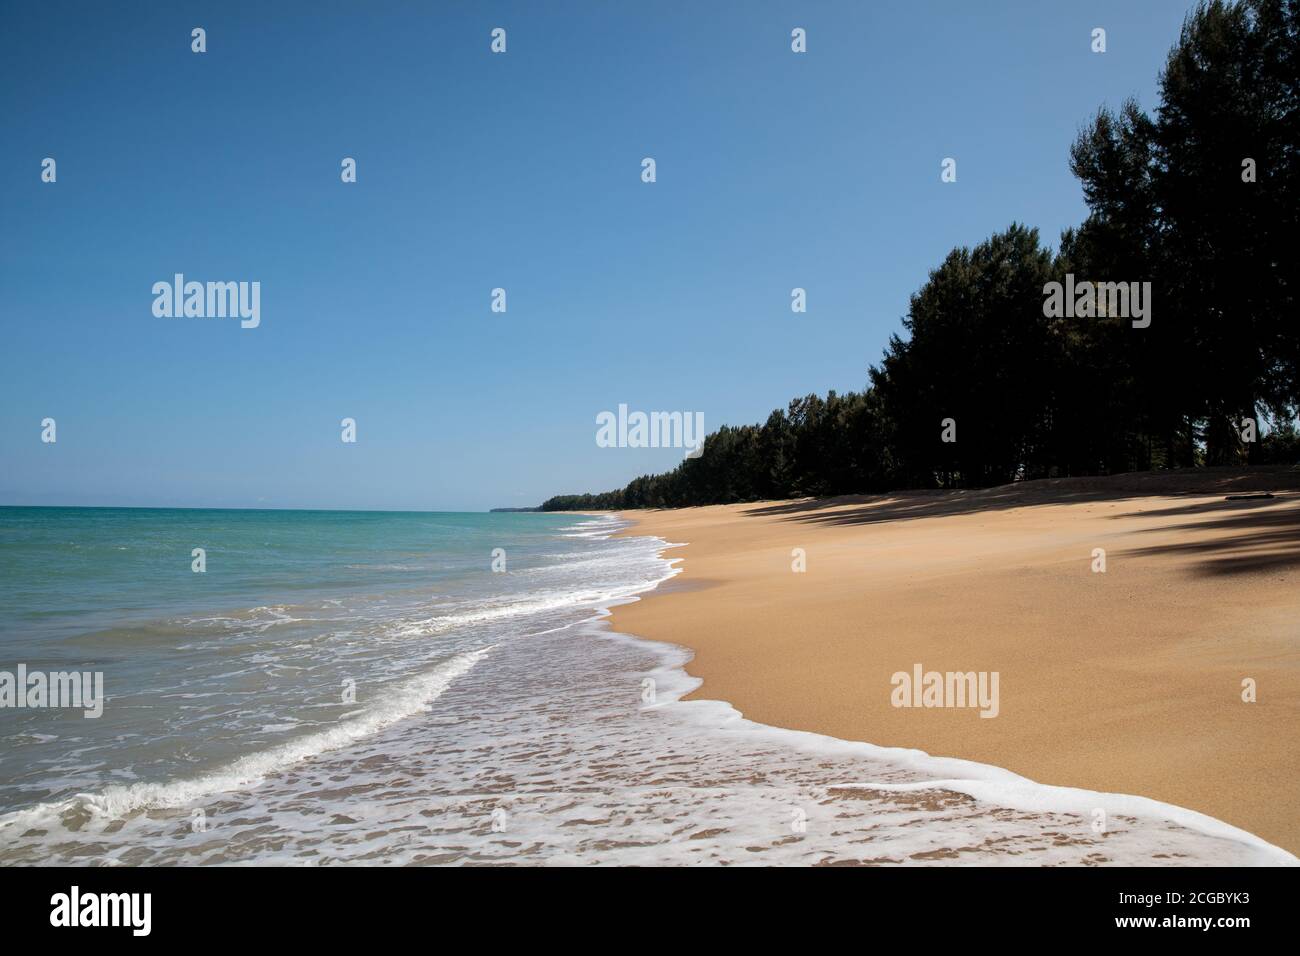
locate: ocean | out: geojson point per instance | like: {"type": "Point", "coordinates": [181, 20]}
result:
{"type": "Point", "coordinates": [392, 688]}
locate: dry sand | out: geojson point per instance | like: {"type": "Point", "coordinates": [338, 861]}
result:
{"type": "Point", "coordinates": [1128, 680]}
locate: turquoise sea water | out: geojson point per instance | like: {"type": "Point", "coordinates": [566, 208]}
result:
{"type": "Point", "coordinates": [361, 687]}
{"type": "Point", "coordinates": [293, 609]}
{"type": "Point", "coordinates": [63, 570]}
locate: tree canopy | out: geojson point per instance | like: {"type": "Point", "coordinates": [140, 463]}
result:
{"type": "Point", "coordinates": [1198, 199]}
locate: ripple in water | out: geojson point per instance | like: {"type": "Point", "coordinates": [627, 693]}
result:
{"type": "Point", "coordinates": [539, 749]}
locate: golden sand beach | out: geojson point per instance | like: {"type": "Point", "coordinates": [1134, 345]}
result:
{"type": "Point", "coordinates": [1128, 680]}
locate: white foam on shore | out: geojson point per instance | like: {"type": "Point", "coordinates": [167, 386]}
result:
{"type": "Point", "coordinates": [553, 730]}
{"type": "Point", "coordinates": [987, 783]}
{"type": "Point", "coordinates": [984, 782]}
{"type": "Point", "coordinates": [396, 702]}
{"type": "Point", "coordinates": [532, 603]}
{"type": "Point", "coordinates": [1022, 793]}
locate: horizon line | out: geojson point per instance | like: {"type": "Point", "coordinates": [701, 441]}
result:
{"type": "Point", "coordinates": [395, 511]}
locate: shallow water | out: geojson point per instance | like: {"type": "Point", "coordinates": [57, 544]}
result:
{"type": "Point", "coordinates": [502, 722]}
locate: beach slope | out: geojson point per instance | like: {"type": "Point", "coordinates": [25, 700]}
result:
{"type": "Point", "coordinates": [1129, 679]}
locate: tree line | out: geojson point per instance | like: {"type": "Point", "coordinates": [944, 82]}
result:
{"type": "Point", "coordinates": [1197, 198]}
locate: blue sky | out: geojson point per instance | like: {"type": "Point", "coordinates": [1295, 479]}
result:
{"type": "Point", "coordinates": [476, 171]}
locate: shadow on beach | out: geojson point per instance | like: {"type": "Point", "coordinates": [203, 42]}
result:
{"type": "Point", "coordinates": [1230, 536]}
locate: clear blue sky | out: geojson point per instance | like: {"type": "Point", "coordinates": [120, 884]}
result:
{"type": "Point", "coordinates": [476, 170]}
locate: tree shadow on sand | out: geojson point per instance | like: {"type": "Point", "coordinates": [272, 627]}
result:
{"type": "Point", "coordinates": [1260, 535]}
{"type": "Point", "coordinates": [905, 505]}
{"type": "Point", "coordinates": [1244, 536]}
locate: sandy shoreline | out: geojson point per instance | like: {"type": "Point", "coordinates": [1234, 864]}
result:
{"type": "Point", "coordinates": [1127, 681]}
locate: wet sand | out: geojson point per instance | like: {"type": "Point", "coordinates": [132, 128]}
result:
{"type": "Point", "coordinates": [1127, 680]}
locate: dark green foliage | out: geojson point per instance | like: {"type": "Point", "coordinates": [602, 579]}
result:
{"type": "Point", "coordinates": [1034, 396]}
{"type": "Point", "coordinates": [1279, 447]}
